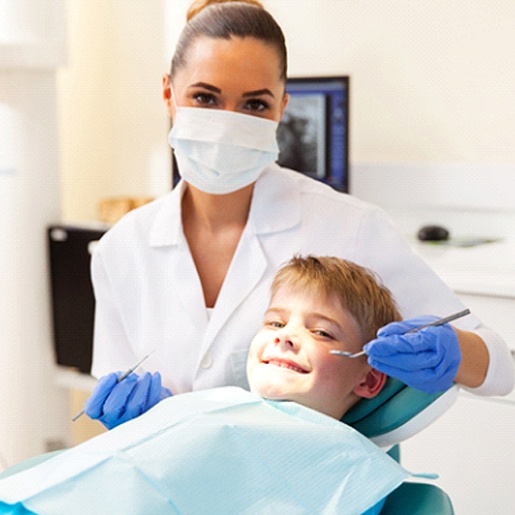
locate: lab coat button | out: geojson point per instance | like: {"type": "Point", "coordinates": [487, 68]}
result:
{"type": "Point", "coordinates": [207, 361]}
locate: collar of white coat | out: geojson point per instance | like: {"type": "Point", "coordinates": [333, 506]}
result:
{"type": "Point", "coordinates": [275, 207]}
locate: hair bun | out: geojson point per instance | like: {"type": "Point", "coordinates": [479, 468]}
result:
{"type": "Point", "coordinates": [199, 5]}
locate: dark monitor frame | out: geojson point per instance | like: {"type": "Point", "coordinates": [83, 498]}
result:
{"type": "Point", "coordinates": [316, 122]}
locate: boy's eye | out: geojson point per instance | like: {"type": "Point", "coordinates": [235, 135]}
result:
{"type": "Point", "coordinates": [323, 334]}
{"type": "Point", "coordinates": [275, 324]}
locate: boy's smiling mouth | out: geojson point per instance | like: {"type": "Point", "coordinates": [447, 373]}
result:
{"type": "Point", "coordinates": [285, 363]}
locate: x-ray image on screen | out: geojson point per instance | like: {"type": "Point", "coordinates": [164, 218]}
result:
{"type": "Point", "coordinates": [302, 134]}
{"type": "Point", "coordinates": [313, 135]}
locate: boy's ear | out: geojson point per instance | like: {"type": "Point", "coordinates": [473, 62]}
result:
{"type": "Point", "coordinates": [371, 384]}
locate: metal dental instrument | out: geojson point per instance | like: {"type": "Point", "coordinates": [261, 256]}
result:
{"type": "Point", "coordinates": [120, 379]}
{"type": "Point", "coordinates": [440, 321]}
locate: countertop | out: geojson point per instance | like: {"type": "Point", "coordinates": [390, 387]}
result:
{"type": "Point", "coordinates": [487, 268]}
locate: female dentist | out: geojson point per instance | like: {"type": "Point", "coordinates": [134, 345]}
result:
{"type": "Point", "coordinates": [186, 277]}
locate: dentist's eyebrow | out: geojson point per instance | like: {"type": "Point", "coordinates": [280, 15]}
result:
{"type": "Point", "coordinates": [258, 93]}
{"type": "Point", "coordinates": [247, 94]}
{"type": "Point", "coordinates": [205, 85]}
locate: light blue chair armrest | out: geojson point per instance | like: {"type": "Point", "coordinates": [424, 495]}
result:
{"type": "Point", "coordinates": [17, 509]}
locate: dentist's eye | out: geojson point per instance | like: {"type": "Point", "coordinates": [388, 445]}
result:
{"type": "Point", "coordinates": [204, 99]}
{"type": "Point", "coordinates": [256, 106]}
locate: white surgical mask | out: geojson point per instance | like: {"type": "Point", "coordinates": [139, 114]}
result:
{"type": "Point", "coordinates": [221, 151]}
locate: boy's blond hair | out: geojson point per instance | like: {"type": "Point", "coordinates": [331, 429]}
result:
{"type": "Point", "coordinates": [359, 290]}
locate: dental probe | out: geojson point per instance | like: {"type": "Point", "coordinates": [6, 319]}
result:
{"type": "Point", "coordinates": [120, 379]}
{"type": "Point", "coordinates": [440, 321]}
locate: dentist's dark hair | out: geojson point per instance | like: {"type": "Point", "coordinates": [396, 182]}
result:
{"type": "Point", "coordinates": [225, 19]}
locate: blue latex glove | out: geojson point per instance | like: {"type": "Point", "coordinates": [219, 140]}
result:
{"type": "Point", "coordinates": [114, 402]}
{"type": "Point", "coordinates": [427, 359]}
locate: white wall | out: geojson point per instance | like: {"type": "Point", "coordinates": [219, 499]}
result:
{"type": "Point", "coordinates": [432, 80]}
{"type": "Point", "coordinates": [32, 45]}
{"type": "Point", "coordinates": [113, 125]}
{"type": "Point", "coordinates": [431, 84]}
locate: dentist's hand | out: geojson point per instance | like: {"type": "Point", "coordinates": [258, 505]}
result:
{"type": "Point", "coordinates": [114, 402]}
{"type": "Point", "coordinates": [427, 359]}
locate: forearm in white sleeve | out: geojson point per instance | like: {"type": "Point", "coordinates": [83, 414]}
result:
{"type": "Point", "coordinates": [500, 375]}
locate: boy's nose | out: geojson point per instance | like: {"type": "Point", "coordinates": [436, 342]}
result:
{"type": "Point", "coordinates": [284, 340]}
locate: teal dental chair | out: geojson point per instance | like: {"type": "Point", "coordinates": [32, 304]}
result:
{"type": "Point", "coordinates": [394, 415]}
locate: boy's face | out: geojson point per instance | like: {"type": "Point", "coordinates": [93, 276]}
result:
{"type": "Point", "coordinates": [289, 357]}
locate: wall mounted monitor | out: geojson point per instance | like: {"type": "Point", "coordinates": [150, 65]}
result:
{"type": "Point", "coordinates": [313, 135]}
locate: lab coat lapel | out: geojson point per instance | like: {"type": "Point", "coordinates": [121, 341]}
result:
{"type": "Point", "coordinates": [183, 279]}
{"type": "Point", "coordinates": [187, 285]}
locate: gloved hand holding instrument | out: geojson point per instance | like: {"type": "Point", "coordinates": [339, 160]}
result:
{"type": "Point", "coordinates": [119, 397]}
{"type": "Point", "coordinates": [422, 352]}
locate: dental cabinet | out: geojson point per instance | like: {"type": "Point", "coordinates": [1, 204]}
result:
{"type": "Point", "coordinates": [471, 446]}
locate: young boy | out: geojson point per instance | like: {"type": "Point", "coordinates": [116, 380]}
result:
{"type": "Point", "coordinates": [229, 451]}
{"type": "Point", "coordinates": [317, 305]}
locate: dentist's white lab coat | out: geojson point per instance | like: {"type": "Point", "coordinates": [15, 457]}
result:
{"type": "Point", "coordinates": [149, 295]}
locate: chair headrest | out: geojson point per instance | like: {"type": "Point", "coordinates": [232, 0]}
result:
{"type": "Point", "coordinates": [398, 412]}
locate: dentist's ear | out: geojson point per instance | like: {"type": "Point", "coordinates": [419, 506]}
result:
{"type": "Point", "coordinates": [286, 99]}
{"type": "Point", "coordinates": [371, 384]}
{"type": "Point", "coordinates": [167, 94]}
